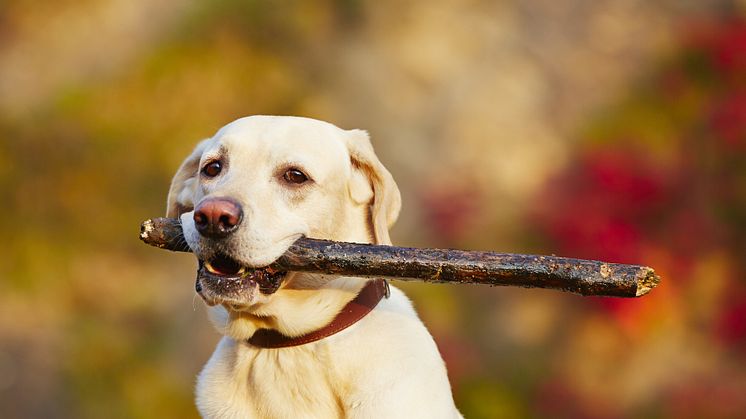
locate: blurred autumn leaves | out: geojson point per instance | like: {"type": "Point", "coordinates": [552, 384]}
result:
{"type": "Point", "coordinates": [661, 179]}
{"type": "Point", "coordinates": [510, 127]}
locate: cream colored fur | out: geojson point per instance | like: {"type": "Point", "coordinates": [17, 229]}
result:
{"type": "Point", "coordinates": [384, 366]}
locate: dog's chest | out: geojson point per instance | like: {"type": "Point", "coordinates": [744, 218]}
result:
{"type": "Point", "coordinates": [295, 380]}
{"type": "Point", "coordinates": [298, 382]}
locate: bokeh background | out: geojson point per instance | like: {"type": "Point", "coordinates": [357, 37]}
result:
{"type": "Point", "coordinates": [609, 129]}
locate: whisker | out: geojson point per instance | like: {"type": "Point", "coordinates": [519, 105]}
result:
{"type": "Point", "coordinates": [179, 242]}
{"type": "Point", "coordinates": [194, 302]}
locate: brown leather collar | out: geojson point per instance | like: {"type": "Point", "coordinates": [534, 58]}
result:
{"type": "Point", "coordinates": [355, 310]}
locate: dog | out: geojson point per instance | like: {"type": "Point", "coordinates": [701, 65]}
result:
{"type": "Point", "coordinates": [243, 197]}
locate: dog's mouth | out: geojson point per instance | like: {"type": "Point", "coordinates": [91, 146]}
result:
{"type": "Point", "coordinates": [222, 278]}
{"type": "Point", "coordinates": [222, 265]}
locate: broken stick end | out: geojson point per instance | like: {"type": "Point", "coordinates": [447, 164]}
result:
{"type": "Point", "coordinates": [146, 228]}
{"type": "Point", "coordinates": [647, 281]}
{"type": "Point", "coordinates": [151, 234]}
{"type": "Point", "coordinates": [164, 233]}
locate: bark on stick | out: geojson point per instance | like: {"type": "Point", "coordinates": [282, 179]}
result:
{"type": "Point", "coordinates": [585, 277]}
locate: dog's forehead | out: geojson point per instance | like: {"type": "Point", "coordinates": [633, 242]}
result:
{"type": "Point", "coordinates": [280, 133]}
{"type": "Point", "coordinates": [313, 144]}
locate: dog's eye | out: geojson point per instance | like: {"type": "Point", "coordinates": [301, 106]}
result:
{"type": "Point", "coordinates": [295, 176]}
{"type": "Point", "coordinates": [212, 169]}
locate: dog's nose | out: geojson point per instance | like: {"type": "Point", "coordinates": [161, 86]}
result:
{"type": "Point", "coordinates": [217, 217]}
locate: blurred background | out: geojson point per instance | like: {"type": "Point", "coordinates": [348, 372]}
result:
{"type": "Point", "coordinates": [607, 129]}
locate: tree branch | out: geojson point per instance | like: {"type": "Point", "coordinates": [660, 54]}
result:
{"type": "Point", "coordinates": [585, 277]}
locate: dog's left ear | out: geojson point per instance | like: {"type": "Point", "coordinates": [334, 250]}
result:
{"type": "Point", "coordinates": [181, 194]}
{"type": "Point", "coordinates": [371, 183]}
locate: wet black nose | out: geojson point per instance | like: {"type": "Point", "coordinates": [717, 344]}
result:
{"type": "Point", "coordinates": [217, 217]}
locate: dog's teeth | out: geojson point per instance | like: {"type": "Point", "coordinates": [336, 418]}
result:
{"type": "Point", "coordinates": [210, 268]}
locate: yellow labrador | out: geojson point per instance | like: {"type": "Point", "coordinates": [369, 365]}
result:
{"type": "Point", "coordinates": [243, 197]}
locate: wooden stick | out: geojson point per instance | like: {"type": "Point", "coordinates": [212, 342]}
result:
{"type": "Point", "coordinates": [585, 277]}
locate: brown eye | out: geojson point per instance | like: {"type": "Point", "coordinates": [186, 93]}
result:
{"type": "Point", "coordinates": [212, 169]}
{"type": "Point", "coordinates": [295, 176]}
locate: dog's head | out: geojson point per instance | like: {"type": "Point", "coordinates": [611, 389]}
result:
{"type": "Point", "coordinates": [246, 194]}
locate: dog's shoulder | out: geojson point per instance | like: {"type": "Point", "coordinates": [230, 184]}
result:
{"type": "Point", "coordinates": [390, 359]}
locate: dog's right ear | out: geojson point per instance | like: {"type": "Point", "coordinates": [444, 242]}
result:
{"type": "Point", "coordinates": [181, 193]}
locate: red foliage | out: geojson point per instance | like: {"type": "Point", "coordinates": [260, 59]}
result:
{"type": "Point", "coordinates": [723, 43]}
{"type": "Point", "coordinates": [729, 120]}
{"type": "Point", "coordinates": [605, 206]}
{"type": "Point", "coordinates": [731, 324]}
{"type": "Point", "coordinates": [729, 48]}
{"type": "Point", "coordinates": [450, 209]}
